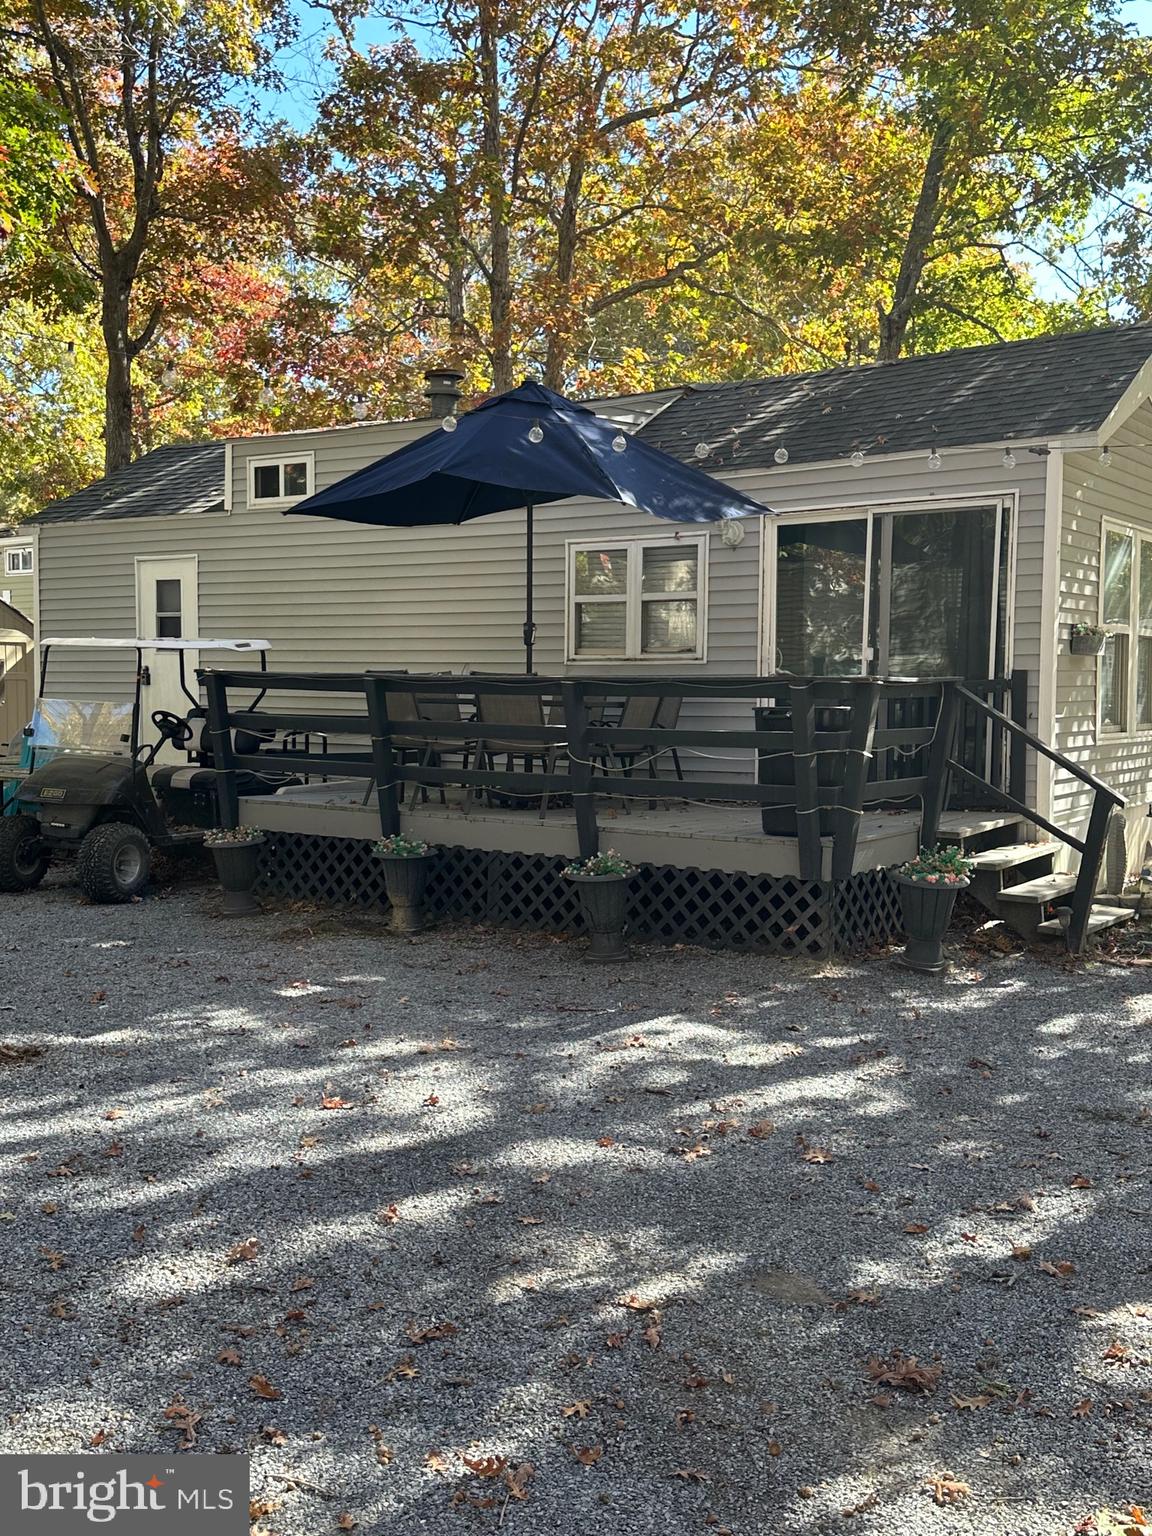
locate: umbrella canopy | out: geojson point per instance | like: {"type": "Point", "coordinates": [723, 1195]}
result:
{"type": "Point", "coordinates": [524, 448]}
{"type": "Point", "coordinates": [493, 461]}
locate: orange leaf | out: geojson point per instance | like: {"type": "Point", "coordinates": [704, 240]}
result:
{"type": "Point", "coordinates": [485, 1466]}
{"type": "Point", "coordinates": [588, 1455]}
{"type": "Point", "coordinates": [264, 1388]}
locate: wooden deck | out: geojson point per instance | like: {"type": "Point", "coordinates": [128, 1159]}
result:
{"type": "Point", "coordinates": [685, 836]}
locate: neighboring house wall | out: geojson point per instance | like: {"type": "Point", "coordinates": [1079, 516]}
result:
{"type": "Point", "coordinates": [1119, 492]}
{"type": "Point", "coordinates": [18, 587]}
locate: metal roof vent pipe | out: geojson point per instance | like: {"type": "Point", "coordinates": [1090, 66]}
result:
{"type": "Point", "coordinates": [443, 391]}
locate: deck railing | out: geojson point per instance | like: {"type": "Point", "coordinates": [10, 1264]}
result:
{"type": "Point", "coordinates": [847, 745]}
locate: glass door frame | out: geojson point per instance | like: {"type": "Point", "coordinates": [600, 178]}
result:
{"type": "Point", "coordinates": [1006, 514]}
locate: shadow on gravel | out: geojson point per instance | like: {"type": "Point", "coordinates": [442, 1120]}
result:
{"type": "Point", "coordinates": [367, 1207]}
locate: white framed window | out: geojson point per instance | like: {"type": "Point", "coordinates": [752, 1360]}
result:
{"type": "Point", "coordinates": [1124, 688]}
{"type": "Point", "coordinates": [18, 562]}
{"type": "Point", "coordinates": [280, 482]}
{"type": "Point", "coordinates": [637, 599]}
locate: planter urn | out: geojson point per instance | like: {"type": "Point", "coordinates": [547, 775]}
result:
{"type": "Point", "coordinates": [1086, 645]}
{"type": "Point", "coordinates": [927, 911]}
{"type": "Point", "coordinates": [237, 866]}
{"type": "Point", "coordinates": [604, 903]}
{"type": "Point", "coordinates": [405, 879]}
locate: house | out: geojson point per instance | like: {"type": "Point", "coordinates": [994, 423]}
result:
{"type": "Point", "coordinates": [18, 570]}
{"type": "Point", "coordinates": [944, 516]}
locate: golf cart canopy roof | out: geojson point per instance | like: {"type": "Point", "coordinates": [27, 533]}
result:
{"type": "Point", "coordinates": [159, 644]}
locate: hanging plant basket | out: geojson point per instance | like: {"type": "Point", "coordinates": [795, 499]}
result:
{"type": "Point", "coordinates": [1090, 643]}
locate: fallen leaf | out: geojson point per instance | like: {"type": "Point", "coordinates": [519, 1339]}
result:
{"type": "Point", "coordinates": [228, 1357]}
{"type": "Point", "coordinates": [243, 1253]}
{"type": "Point", "coordinates": [981, 1400]}
{"type": "Point", "coordinates": [684, 1416]}
{"type": "Point", "coordinates": [900, 1370]}
{"type": "Point", "coordinates": [1117, 1352]}
{"type": "Point", "coordinates": [183, 1419]}
{"type": "Point", "coordinates": [946, 1489]}
{"type": "Point", "coordinates": [577, 1410]}
{"type": "Point", "coordinates": [264, 1388]}
{"type": "Point", "coordinates": [333, 1101]}
{"type": "Point", "coordinates": [345, 1522]}
{"type": "Point", "coordinates": [1061, 1270]}
{"type": "Point", "coordinates": [616, 1340]}
{"type": "Point", "coordinates": [1080, 1182]}
{"type": "Point", "coordinates": [435, 1461]}
{"type": "Point", "coordinates": [99, 1437]}
{"type": "Point", "coordinates": [516, 1479]}
{"type": "Point", "coordinates": [761, 1130]}
{"type": "Point", "coordinates": [302, 1283]}
{"type": "Point", "coordinates": [485, 1466]}
{"type": "Point", "coordinates": [405, 1369]}
{"type": "Point", "coordinates": [273, 1435]}
{"type": "Point", "coordinates": [1021, 1252]}
{"type": "Point", "coordinates": [696, 1383]}
{"type": "Point", "coordinates": [692, 1475]}
{"type": "Point", "coordinates": [430, 1334]}
{"type": "Point", "coordinates": [916, 1228]}
{"type": "Point", "coordinates": [588, 1455]}
{"type": "Point", "coordinates": [605, 1141]}
{"type": "Point", "coordinates": [1083, 1408]}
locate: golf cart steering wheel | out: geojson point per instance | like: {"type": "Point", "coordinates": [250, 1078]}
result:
{"type": "Point", "coordinates": [173, 728]}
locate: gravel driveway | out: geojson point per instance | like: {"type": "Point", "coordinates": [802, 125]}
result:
{"type": "Point", "coordinates": [702, 1243]}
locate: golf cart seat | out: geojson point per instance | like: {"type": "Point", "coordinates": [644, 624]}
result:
{"type": "Point", "coordinates": [198, 778]}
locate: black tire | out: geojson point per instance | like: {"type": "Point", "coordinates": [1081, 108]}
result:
{"type": "Point", "coordinates": [114, 863]}
{"type": "Point", "coordinates": [23, 862]}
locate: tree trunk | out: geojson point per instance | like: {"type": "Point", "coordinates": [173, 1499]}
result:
{"type": "Point", "coordinates": [914, 258]}
{"type": "Point", "coordinates": [500, 269]}
{"type": "Point", "coordinates": [118, 382]}
{"type": "Point", "coordinates": [567, 239]}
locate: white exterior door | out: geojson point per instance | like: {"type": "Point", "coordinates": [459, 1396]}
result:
{"type": "Point", "coordinates": [167, 608]}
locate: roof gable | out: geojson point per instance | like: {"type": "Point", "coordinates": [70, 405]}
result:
{"type": "Point", "coordinates": [183, 477]}
{"type": "Point", "coordinates": [1017, 391]}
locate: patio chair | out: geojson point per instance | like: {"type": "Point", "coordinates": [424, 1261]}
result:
{"type": "Point", "coordinates": [496, 709]}
{"type": "Point", "coordinates": [640, 714]}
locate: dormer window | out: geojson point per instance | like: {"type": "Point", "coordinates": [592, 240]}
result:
{"type": "Point", "coordinates": [280, 482]}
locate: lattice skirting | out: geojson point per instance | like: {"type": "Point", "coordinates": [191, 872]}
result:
{"type": "Point", "coordinates": [776, 914]}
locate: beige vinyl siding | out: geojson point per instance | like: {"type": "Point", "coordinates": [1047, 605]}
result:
{"type": "Point", "coordinates": [334, 596]}
{"type": "Point", "coordinates": [22, 585]}
{"type": "Point", "coordinates": [1093, 492]}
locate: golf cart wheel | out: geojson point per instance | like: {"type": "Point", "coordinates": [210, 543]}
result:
{"type": "Point", "coordinates": [114, 863]}
{"type": "Point", "coordinates": [23, 862]}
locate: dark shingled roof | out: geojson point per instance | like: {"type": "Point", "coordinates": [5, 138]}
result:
{"type": "Point", "coordinates": [1022, 390]}
{"type": "Point", "coordinates": [184, 477]}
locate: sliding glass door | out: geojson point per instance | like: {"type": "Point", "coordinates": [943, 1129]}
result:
{"type": "Point", "coordinates": [897, 594]}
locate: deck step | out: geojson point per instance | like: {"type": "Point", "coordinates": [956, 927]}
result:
{"type": "Point", "coordinates": [1037, 892]}
{"type": "Point", "coordinates": [1012, 854]}
{"type": "Point", "coordinates": [1099, 918]}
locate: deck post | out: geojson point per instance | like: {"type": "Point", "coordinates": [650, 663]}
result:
{"type": "Point", "coordinates": [808, 845]}
{"type": "Point", "coordinates": [383, 757]}
{"type": "Point", "coordinates": [862, 726]}
{"type": "Point", "coordinates": [1090, 860]}
{"type": "Point", "coordinates": [223, 757]}
{"type": "Point", "coordinates": [580, 767]}
{"type": "Point", "coordinates": [1018, 746]}
{"type": "Point", "coordinates": [937, 772]}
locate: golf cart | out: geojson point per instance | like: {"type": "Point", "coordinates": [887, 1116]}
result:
{"type": "Point", "coordinates": [96, 779]}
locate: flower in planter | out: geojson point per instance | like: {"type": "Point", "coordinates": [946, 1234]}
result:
{"type": "Point", "coordinates": [937, 866]}
{"type": "Point", "coordinates": [1090, 632]}
{"type": "Point", "coordinates": [601, 864]}
{"type": "Point", "coordinates": [397, 846]}
{"type": "Point", "coordinates": [229, 837]}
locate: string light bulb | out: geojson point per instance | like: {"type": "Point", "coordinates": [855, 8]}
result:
{"type": "Point", "coordinates": [169, 376]}
{"type": "Point", "coordinates": [359, 407]}
{"type": "Point", "coordinates": [1008, 459]}
{"type": "Point", "coordinates": [781, 455]}
{"type": "Point", "coordinates": [856, 459]}
{"type": "Point", "coordinates": [267, 395]}
{"type": "Point", "coordinates": [448, 424]}
{"type": "Point", "coordinates": [701, 450]}
{"type": "Point", "coordinates": [934, 459]}
{"type": "Point", "coordinates": [1105, 457]}
{"type": "Point", "coordinates": [619, 443]}
{"type": "Point", "coordinates": [535, 433]}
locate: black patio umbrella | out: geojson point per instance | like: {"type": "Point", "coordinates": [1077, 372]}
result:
{"type": "Point", "coordinates": [524, 448]}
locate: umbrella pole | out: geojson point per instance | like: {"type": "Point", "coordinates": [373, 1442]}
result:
{"type": "Point", "coordinates": [529, 623]}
